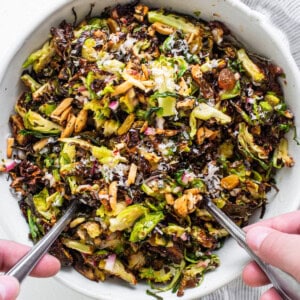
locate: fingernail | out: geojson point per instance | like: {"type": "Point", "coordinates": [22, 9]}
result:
{"type": "Point", "coordinates": [9, 288]}
{"type": "Point", "coordinates": [256, 235]}
{"type": "Point", "coordinates": [2, 291]}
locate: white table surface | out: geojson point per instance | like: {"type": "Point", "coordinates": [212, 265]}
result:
{"type": "Point", "coordinates": [15, 18]}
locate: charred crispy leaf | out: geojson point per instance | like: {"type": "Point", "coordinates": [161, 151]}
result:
{"type": "Point", "coordinates": [17, 126]}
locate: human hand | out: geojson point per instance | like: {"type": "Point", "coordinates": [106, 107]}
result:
{"type": "Point", "coordinates": [10, 253]}
{"type": "Point", "coordinates": [277, 242]}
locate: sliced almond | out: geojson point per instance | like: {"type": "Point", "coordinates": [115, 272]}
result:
{"type": "Point", "coordinates": [185, 104]}
{"type": "Point", "coordinates": [166, 132]}
{"type": "Point", "coordinates": [150, 156]}
{"type": "Point", "coordinates": [132, 174]}
{"type": "Point", "coordinates": [122, 88]}
{"type": "Point", "coordinates": [81, 121]}
{"type": "Point", "coordinates": [184, 89]}
{"type": "Point", "coordinates": [163, 28]}
{"type": "Point", "coordinates": [64, 116]}
{"type": "Point", "coordinates": [193, 191]}
{"type": "Point", "coordinates": [9, 147]}
{"type": "Point", "coordinates": [144, 127]}
{"type": "Point", "coordinates": [145, 71]}
{"type": "Point", "coordinates": [126, 125]}
{"type": "Point", "coordinates": [70, 127]}
{"type": "Point", "coordinates": [62, 107]}
{"type": "Point", "coordinates": [38, 146]}
{"type": "Point", "coordinates": [141, 9]}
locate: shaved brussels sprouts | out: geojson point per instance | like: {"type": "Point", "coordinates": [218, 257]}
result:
{"type": "Point", "coordinates": [34, 121]}
{"type": "Point", "coordinates": [145, 225]}
{"type": "Point", "coordinates": [236, 91]}
{"type": "Point", "coordinates": [246, 141]}
{"type": "Point", "coordinates": [40, 58]}
{"type": "Point", "coordinates": [162, 275]}
{"type": "Point", "coordinates": [127, 217]}
{"type": "Point", "coordinates": [205, 112]}
{"type": "Point", "coordinates": [30, 82]}
{"type": "Point", "coordinates": [173, 20]}
{"type": "Point", "coordinates": [103, 154]}
{"type": "Point", "coordinates": [88, 50]}
{"type": "Point", "coordinates": [251, 68]}
{"type": "Point", "coordinates": [47, 205]}
{"type": "Point", "coordinates": [118, 270]}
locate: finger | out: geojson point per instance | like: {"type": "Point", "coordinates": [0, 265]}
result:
{"type": "Point", "coordinates": [11, 252]}
{"type": "Point", "coordinates": [289, 223]}
{"type": "Point", "coordinates": [254, 276]}
{"type": "Point", "coordinates": [276, 248]}
{"type": "Point", "coordinates": [9, 288]}
{"type": "Point", "coordinates": [270, 294]}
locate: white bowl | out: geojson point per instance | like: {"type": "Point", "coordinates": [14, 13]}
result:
{"type": "Point", "coordinates": [251, 28]}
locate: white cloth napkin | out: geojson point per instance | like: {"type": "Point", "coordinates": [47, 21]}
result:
{"type": "Point", "coordinates": [285, 14]}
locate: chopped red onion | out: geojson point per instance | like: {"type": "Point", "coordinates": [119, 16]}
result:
{"type": "Point", "coordinates": [184, 236]}
{"type": "Point", "coordinates": [185, 178]}
{"type": "Point", "coordinates": [82, 88]}
{"type": "Point", "coordinates": [10, 166]}
{"type": "Point", "coordinates": [110, 262]}
{"type": "Point", "coordinates": [150, 131]}
{"type": "Point", "coordinates": [113, 105]}
{"type": "Point", "coordinates": [250, 100]}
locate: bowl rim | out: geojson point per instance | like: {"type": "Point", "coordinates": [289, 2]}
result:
{"type": "Point", "coordinates": [264, 22]}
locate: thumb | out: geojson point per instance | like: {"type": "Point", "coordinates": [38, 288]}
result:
{"type": "Point", "coordinates": [9, 288]}
{"type": "Point", "coordinates": [276, 248]}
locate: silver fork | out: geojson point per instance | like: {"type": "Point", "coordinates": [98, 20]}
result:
{"type": "Point", "coordinates": [286, 285]}
{"type": "Point", "coordinates": [25, 265]}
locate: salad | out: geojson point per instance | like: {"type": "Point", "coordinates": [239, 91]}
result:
{"type": "Point", "coordinates": [141, 114]}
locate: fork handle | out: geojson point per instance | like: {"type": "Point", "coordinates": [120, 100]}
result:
{"type": "Point", "coordinates": [25, 265]}
{"type": "Point", "coordinates": [285, 284]}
